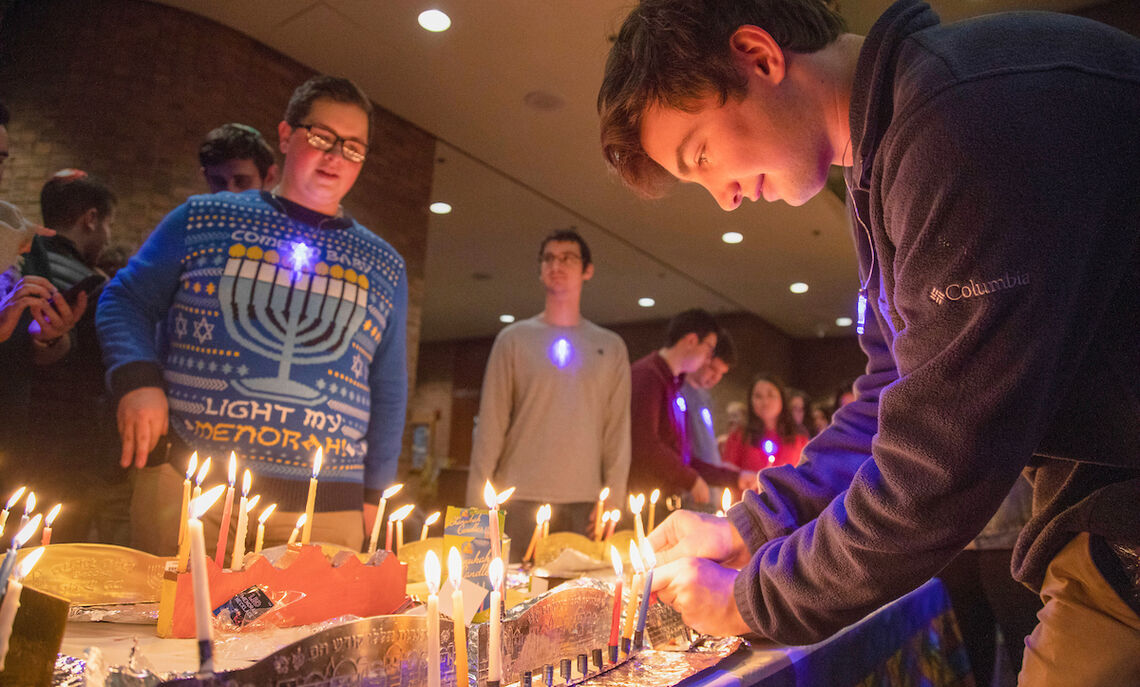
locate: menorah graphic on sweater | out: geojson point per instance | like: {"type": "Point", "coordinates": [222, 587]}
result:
{"type": "Point", "coordinates": [295, 315]}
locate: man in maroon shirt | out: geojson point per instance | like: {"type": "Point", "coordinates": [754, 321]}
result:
{"type": "Point", "coordinates": [660, 451]}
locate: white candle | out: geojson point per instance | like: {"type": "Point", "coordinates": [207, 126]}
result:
{"type": "Point", "coordinates": [261, 519]}
{"type": "Point", "coordinates": [546, 521]}
{"type": "Point", "coordinates": [48, 521]}
{"type": "Point", "coordinates": [200, 578]}
{"type": "Point", "coordinates": [375, 536]}
{"type": "Point", "coordinates": [636, 503]}
{"type": "Point", "coordinates": [12, 600]}
{"type": "Point", "coordinates": [244, 506]}
{"type": "Point", "coordinates": [311, 501]}
{"type": "Point", "coordinates": [29, 506]}
{"type": "Point", "coordinates": [458, 619]}
{"type": "Point", "coordinates": [493, 502]}
{"type": "Point", "coordinates": [495, 645]}
{"type": "Point", "coordinates": [653, 498]}
{"type": "Point", "coordinates": [431, 576]}
{"type": "Point", "coordinates": [12, 501]}
{"type": "Point", "coordinates": [184, 513]}
{"type": "Point", "coordinates": [428, 522]}
{"type": "Point", "coordinates": [296, 530]}
{"type": "Point", "coordinates": [598, 525]}
{"type": "Point", "coordinates": [398, 516]}
{"type": "Point", "coordinates": [227, 511]}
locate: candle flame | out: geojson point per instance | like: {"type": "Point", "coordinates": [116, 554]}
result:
{"type": "Point", "coordinates": [503, 496]}
{"type": "Point", "coordinates": [27, 531]}
{"type": "Point", "coordinates": [726, 500]}
{"type": "Point", "coordinates": [301, 521]}
{"type": "Point", "coordinates": [431, 572]}
{"type": "Point", "coordinates": [52, 515]}
{"type": "Point", "coordinates": [202, 472]}
{"type": "Point", "coordinates": [401, 513]}
{"type": "Point", "coordinates": [489, 494]}
{"type": "Point", "coordinates": [24, 568]}
{"type": "Point", "coordinates": [266, 513]}
{"type": "Point", "coordinates": [635, 558]}
{"type": "Point", "coordinates": [431, 519]}
{"type": "Point", "coordinates": [245, 480]}
{"type": "Point", "coordinates": [540, 515]}
{"type": "Point", "coordinates": [655, 496]}
{"type": "Point", "coordinates": [636, 503]}
{"type": "Point", "coordinates": [192, 466]}
{"type": "Point", "coordinates": [249, 506]}
{"type": "Point", "coordinates": [15, 498]}
{"type": "Point", "coordinates": [392, 491]}
{"type": "Point", "coordinates": [455, 568]}
{"type": "Point", "coordinates": [317, 462]}
{"type": "Point", "coordinates": [549, 510]}
{"type": "Point", "coordinates": [647, 555]}
{"type": "Point", "coordinates": [616, 558]}
{"type": "Point", "coordinates": [615, 515]}
{"type": "Point", "coordinates": [30, 504]}
{"type": "Point", "coordinates": [605, 517]}
{"type": "Point", "coordinates": [604, 495]}
{"type": "Point", "coordinates": [495, 572]}
{"type": "Point", "coordinates": [233, 468]}
{"type": "Point", "coordinates": [203, 503]}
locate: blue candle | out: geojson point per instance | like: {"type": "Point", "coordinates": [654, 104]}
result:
{"type": "Point", "coordinates": [639, 633]}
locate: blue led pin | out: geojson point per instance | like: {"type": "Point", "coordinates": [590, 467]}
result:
{"type": "Point", "coordinates": [560, 353]}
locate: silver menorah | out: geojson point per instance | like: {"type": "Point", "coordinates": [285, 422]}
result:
{"type": "Point", "coordinates": [289, 314]}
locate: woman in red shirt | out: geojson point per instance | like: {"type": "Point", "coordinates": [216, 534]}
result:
{"type": "Point", "coordinates": [769, 437]}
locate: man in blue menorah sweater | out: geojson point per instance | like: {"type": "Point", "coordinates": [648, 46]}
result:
{"type": "Point", "coordinates": [283, 324]}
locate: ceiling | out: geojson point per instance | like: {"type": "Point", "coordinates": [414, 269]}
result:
{"type": "Point", "coordinates": [514, 172]}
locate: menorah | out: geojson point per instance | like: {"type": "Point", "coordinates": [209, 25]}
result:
{"type": "Point", "coordinates": [294, 315]}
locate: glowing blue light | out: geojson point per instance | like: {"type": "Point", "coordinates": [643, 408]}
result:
{"type": "Point", "coordinates": [769, 447]}
{"type": "Point", "coordinates": [301, 255]}
{"type": "Point", "coordinates": [707, 417]}
{"type": "Point", "coordinates": [560, 353]}
{"type": "Point", "coordinates": [680, 404]}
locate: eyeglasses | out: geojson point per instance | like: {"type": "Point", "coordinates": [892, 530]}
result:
{"type": "Point", "coordinates": [548, 259]}
{"type": "Point", "coordinates": [325, 140]}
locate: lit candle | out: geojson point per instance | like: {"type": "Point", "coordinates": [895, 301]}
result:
{"type": "Point", "coordinates": [653, 498]}
{"type": "Point", "coordinates": [650, 560]}
{"type": "Point", "coordinates": [242, 524]}
{"type": "Point", "coordinates": [399, 514]}
{"type": "Point", "coordinates": [546, 522]}
{"type": "Point", "coordinates": [631, 604]}
{"type": "Point", "coordinates": [227, 511]}
{"type": "Point", "coordinates": [311, 501]}
{"type": "Point", "coordinates": [261, 519]}
{"type": "Point", "coordinates": [184, 512]}
{"type": "Point", "coordinates": [46, 538]}
{"type": "Point", "coordinates": [725, 502]}
{"type": "Point", "coordinates": [11, 602]}
{"type": "Point", "coordinates": [458, 620]}
{"type": "Point", "coordinates": [296, 530]}
{"type": "Point", "coordinates": [199, 478]}
{"type": "Point", "coordinates": [636, 503]}
{"type": "Point", "coordinates": [538, 517]}
{"type": "Point", "coordinates": [495, 646]}
{"type": "Point", "coordinates": [391, 527]}
{"type": "Point", "coordinates": [29, 507]}
{"type": "Point", "coordinates": [22, 537]}
{"type": "Point", "coordinates": [605, 523]}
{"type": "Point", "coordinates": [200, 578]}
{"type": "Point", "coordinates": [493, 502]}
{"type": "Point", "coordinates": [431, 576]}
{"type": "Point", "coordinates": [428, 522]}
{"type": "Point", "coordinates": [615, 515]}
{"type": "Point", "coordinates": [615, 626]}
{"type": "Point", "coordinates": [605, 493]}
{"type": "Point", "coordinates": [12, 501]}
{"type": "Point", "coordinates": [387, 494]}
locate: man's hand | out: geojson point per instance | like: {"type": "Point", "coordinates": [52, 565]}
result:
{"type": "Point", "coordinates": [142, 419]}
{"type": "Point", "coordinates": [29, 291]}
{"type": "Point", "coordinates": [686, 534]}
{"type": "Point", "coordinates": [700, 491]}
{"type": "Point", "coordinates": [747, 480]}
{"type": "Point", "coordinates": [55, 317]}
{"type": "Point", "coordinates": [701, 591]}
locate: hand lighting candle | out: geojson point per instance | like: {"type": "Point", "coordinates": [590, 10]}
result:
{"type": "Point", "coordinates": [605, 494]}
{"type": "Point", "coordinates": [296, 530]}
{"type": "Point", "coordinates": [650, 560]}
{"type": "Point", "coordinates": [261, 520]}
{"type": "Point", "coordinates": [615, 626]}
{"type": "Point", "coordinates": [200, 578]}
{"type": "Point", "coordinates": [653, 498]}
{"type": "Point", "coordinates": [428, 522]}
{"type": "Point", "coordinates": [227, 511]}
{"type": "Point", "coordinates": [12, 501]}
{"type": "Point", "coordinates": [400, 514]}
{"type": "Point", "coordinates": [458, 621]}
{"type": "Point", "coordinates": [48, 521]}
{"type": "Point", "coordinates": [11, 602]}
{"type": "Point", "coordinates": [311, 501]}
{"type": "Point", "coordinates": [29, 508]}
{"type": "Point", "coordinates": [636, 504]}
{"type": "Point", "coordinates": [631, 605]}
{"type": "Point", "coordinates": [431, 576]}
{"type": "Point", "coordinates": [184, 512]}
{"type": "Point", "coordinates": [387, 494]}
{"type": "Point", "coordinates": [22, 537]}
{"type": "Point", "coordinates": [242, 524]}
{"type": "Point", "coordinates": [495, 645]}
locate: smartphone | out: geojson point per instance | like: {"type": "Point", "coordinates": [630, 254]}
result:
{"type": "Point", "coordinates": [85, 285]}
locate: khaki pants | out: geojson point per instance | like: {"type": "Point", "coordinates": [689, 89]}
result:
{"type": "Point", "coordinates": [157, 500]}
{"type": "Point", "coordinates": [1087, 636]}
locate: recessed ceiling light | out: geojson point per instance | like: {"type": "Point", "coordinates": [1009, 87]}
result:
{"type": "Point", "coordinates": [434, 20]}
{"type": "Point", "coordinates": [732, 237]}
{"type": "Point", "coordinates": [798, 287]}
{"type": "Point", "coordinates": [646, 302]}
{"type": "Point", "coordinates": [440, 208]}
{"type": "Point", "coordinates": [506, 319]}
{"type": "Point", "coordinates": [843, 322]}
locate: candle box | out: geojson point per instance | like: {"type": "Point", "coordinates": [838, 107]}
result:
{"type": "Point", "coordinates": [466, 530]}
{"type": "Point", "coordinates": [36, 637]}
{"type": "Point", "coordinates": [351, 588]}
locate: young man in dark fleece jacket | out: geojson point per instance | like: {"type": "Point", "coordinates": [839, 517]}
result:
{"type": "Point", "coordinates": [993, 169]}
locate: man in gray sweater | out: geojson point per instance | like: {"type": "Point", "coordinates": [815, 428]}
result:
{"type": "Point", "coordinates": [554, 411]}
